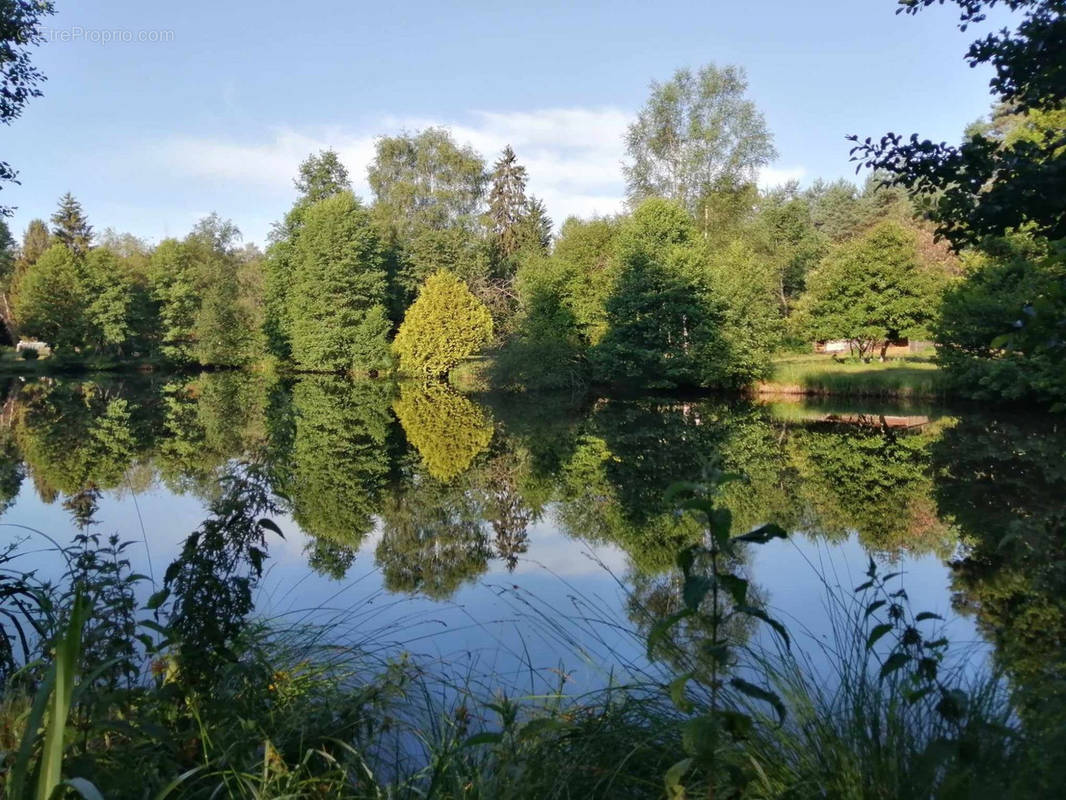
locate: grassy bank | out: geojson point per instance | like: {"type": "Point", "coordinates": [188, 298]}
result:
{"type": "Point", "coordinates": [822, 375]}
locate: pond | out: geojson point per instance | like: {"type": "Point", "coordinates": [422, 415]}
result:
{"type": "Point", "coordinates": [526, 537]}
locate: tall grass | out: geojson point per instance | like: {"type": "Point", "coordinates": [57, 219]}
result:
{"type": "Point", "coordinates": [328, 710]}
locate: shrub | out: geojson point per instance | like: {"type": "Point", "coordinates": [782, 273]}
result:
{"type": "Point", "coordinates": [29, 354]}
{"type": "Point", "coordinates": [445, 325]}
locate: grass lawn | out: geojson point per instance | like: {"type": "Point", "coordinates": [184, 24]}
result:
{"type": "Point", "coordinates": [819, 374]}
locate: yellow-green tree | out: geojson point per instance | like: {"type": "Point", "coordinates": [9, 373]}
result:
{"type": "Point", "coordinates": [448, 430]}
{"type": "Point", "coordinates": [445, 325]}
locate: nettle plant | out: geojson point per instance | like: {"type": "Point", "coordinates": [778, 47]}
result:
{"type": "Point", "coordinates": [717, 600]}
{"type": "Point", "coordinates": [913, 658]}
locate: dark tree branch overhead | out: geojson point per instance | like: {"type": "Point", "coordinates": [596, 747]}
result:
{"type": "Point", "coordinates": [987, 186]}
{"type": "Point", "coordinates": [20, 29]}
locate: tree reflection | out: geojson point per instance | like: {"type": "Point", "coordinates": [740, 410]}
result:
{"type": "Point", "coordinates": [432, 537]}
{"type": "Point", "coordinates": [339, 457]}
{"type": "Point", "coordinates": [1004, 481]}
{"type": "Point", "coordinates": [448, 430]}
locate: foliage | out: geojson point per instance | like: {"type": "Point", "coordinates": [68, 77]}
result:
{"type": "Point", "coordinates": [546, 350]}
{"type": "Point", "coordinates": [338, 461]}
{"type": "Point", "coordinates": [1000, 329]}
{"type": "Point", "coordinates": [425, 180]}
{"type": "Point", "coordinates": [697, 135]}
{"type": "Point", "coordinates": [49, 300]}
{"type": "Point", "coordinates": [320, 176]}
{"type": "Point", "coordinates": [445, 325]}
{"type": "Point", "coordinates": [71, 226]}
{"type": "Point", "coordinates": [338, 321]}
{"type": "Point", "coordinates": [659, 321]}
{"type": "Point", "coordinates": [871, 291]}
{"type": "Point", "coordinates": [447, 429]}
{"type": "Point", "coordinates": [987, 186]}
{"type": "Point", "coordinates": [21, 27]}
{"type": "Point", "coordinates": [585, 251]}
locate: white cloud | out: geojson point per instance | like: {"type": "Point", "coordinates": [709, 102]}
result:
{"type": "Point", "coordinates": [573, 155]}
{"type": "Point", "coordinates": [769, 177]}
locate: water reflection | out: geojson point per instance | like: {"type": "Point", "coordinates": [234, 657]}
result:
{"type": "Point", "coordinates": [443, 485]}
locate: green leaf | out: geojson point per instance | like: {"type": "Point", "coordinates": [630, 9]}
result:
{"type": "Point", "coordinates": [876, 634]}
{"type": "Point", "coordinates": [695, 589]}
{"type": "Point", "coordinates": [876, 604]}
{"type": "Point", "coordinates": [270, 525]}
{"type": "Point", "coordinates": [676, 689]}
{"type": "Point", "coordinates": [736, 586]}
{"type": "Point", "coordinates": [157, 599]}
{"type": "Point", "coordinates": [759, 693]}
{"type": "Point", "coordinates": [762, 534]}
{"type": "Point", "coordinates": [895, 662]}
{"type": "Point", "coordinates": [927, 615]}
{"type": "Point", "coordinates": [541, 725]}
{"type": "Point", "coordinates": [721, 523]}
{"type": "Point", "coordinates": [674, 789]}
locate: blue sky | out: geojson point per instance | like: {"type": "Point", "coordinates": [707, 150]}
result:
{"type": "Point", "coordinates": [150, 136]}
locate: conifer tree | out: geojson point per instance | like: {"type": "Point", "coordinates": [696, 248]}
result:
{"type": "Point", "coordinates": [72, 228]}
{"type": "Point", "coordinates": [338, 291]}
{"type": "Point", "coordinates": [320, 176]}
{"type": "Point", "coordinates": [35, 241]}
{"type": "Point", "coordinates": [508, 205]}
{"type": "Point", "coordinates": [446, 324]}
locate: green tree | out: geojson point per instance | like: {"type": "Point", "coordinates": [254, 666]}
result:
{"type": "Point", "coordinates": [338, 292]}
{"type": "Point", "coordinates": [174, 284]}
{"type": "Point", "coordinates": [659, 321]}
{"type": "Point", "coordinates": [35, 241]}
{"type": "Point", "coordinates": [587, 253]}
{"type": "Point", "coordinates": [425, 180]}
{"type": "Point", "coordinates": [110, 292]}
{"type": "Point", "coordinates": [990, 185]}
{"type": "Point", "coordinates": [432, 539]}
{"type": "Point", "coordinates": [787, 234]}
{"type": "Point", "coordinates": [428, 195]}
{"type": "Point", "coordinates": [508, 203]}
{"type": "Point", "coordinates": [697, 135]}
{"type": "Point", "coordinates": [999, 333]}
{"type": "Point", "coordinates": [50, 301]}
{"type": "Point", "coordinates": [71, 227]}
{"type": "Point", "coordinates": [444, 326]}
{"type": "Point", "coordinates": [320, 176]}
{"type": "Point", "coordinates": [546, 349]}
{"type": "Point", "coordinates": [743, 291]}
{"type": "Point", "coordinates": [871, 290]}
{"type": "Point", "coordinates": [224, 329]}
{"type": "Point", "coordinates": [339, 459]}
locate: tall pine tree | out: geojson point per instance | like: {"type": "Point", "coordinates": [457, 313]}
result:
{"type": "Point", "coordinates": [338, 292]}
{"type": "Point", "coordinates": [508, 205]}
{"type": "Point", "coordinates": [72, 228]}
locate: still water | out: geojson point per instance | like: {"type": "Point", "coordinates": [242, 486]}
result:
{"type": "Point", "coordinates": [529, 536]}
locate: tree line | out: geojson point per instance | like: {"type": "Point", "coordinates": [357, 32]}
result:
{"type": "Point", "coordinates": [697, 284]}
{"type": "Point", "coordinates": [452, 258]}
